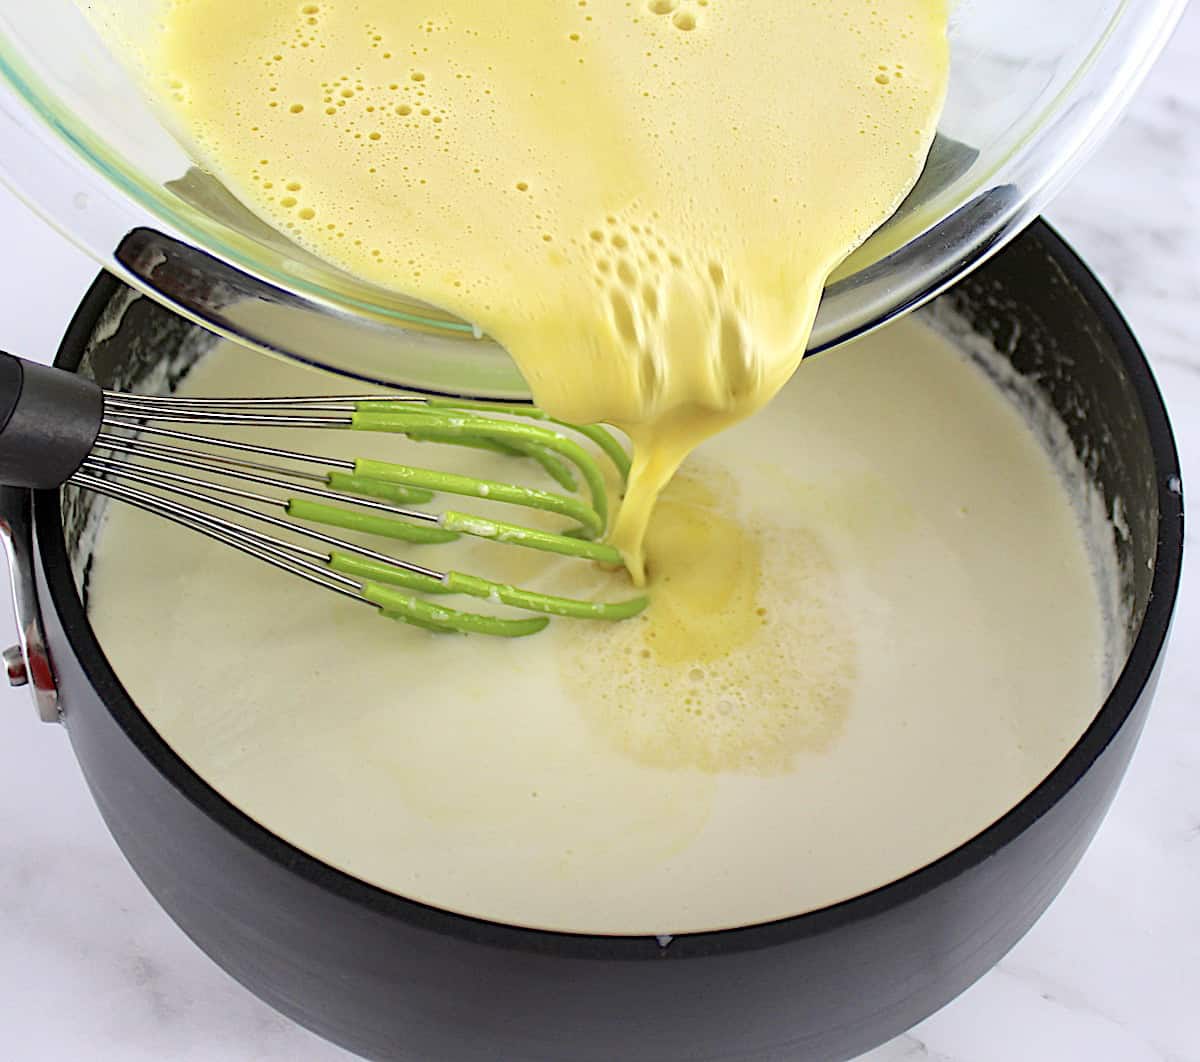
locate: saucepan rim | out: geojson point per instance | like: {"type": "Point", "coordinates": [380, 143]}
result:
{"type": "Point", "coordinates": [1110, 718]}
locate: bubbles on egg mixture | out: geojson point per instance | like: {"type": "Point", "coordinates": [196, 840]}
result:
{"type": "Point", "coordinates": [661, 297]}
{"type": "Point", "coordinates": [383, 104]}
{"type": "Point", "coordinates": [683, 16]}
{"type": "Point", "coordinates": [745, 658]}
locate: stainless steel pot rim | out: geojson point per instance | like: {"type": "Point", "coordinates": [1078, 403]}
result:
{"type": "Point", "coordinates": [1138, 671]}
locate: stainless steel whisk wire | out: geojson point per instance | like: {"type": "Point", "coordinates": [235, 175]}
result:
{"type": "Point", "coordinates": [132, 412]}
{"type": "Point", "coordinates": [159, 454]}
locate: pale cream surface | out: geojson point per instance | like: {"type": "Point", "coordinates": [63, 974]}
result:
{"type": "Point", "coordinates": [903, 639]}
{"type": "Point", "coordinates": [639, 199]}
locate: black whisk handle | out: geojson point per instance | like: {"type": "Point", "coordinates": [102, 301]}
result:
{"type": "Point", "coordinates": [49, 420]}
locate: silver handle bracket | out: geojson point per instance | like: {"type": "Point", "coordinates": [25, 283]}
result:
{"type": "Point", "coordinates": [28, 662]}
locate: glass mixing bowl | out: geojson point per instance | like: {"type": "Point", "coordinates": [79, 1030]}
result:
{"type": "Point", "coordinates": [1033, 86]}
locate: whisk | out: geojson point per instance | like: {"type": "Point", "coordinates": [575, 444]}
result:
{"type": "Point", "coordinates": [154, 453]}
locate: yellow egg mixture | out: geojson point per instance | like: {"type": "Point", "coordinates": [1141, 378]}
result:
{"type": "Point", "coordinates": [639, 199]}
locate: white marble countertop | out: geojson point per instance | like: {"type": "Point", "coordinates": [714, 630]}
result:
{"type": "Point", "coordinates": [91, 968]}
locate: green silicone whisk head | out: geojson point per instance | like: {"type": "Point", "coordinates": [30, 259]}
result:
{"type": "Point", "coordinates": [280, 505]}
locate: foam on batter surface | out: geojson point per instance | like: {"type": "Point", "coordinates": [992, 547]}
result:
{"type": "Point", "coordinates": [747, 658]}
{"type": "Point", "coordinates": [639, 199]}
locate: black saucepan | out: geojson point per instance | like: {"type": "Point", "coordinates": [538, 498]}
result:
{"type": "Point", "coordinates": [393, 979]}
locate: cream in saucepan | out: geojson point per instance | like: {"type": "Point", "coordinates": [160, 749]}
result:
{"type": "Point", "coordinates": [873, 629]}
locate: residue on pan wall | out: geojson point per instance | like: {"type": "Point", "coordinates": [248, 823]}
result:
{"type": "Point", "coordinates": [1102, 523]}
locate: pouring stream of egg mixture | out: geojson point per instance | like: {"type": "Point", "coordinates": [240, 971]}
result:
{"type": "Point", "coordinates": [641, 201]}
